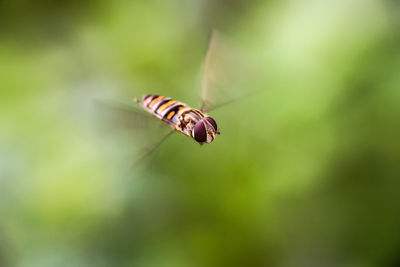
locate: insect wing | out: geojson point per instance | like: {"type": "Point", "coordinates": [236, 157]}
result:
{"type": "Point", "coordinates": [225, 74]}
{"type": "Point", "coordinates": [118, 116]}
{"type": "Point", "coordinates": [132, 126]}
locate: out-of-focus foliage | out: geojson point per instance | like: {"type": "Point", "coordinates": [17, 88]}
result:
{"type": "Point", "coordinates": [305, 173]}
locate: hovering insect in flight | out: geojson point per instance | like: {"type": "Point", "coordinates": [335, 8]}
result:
{"type": "Point", "coordinates": [196, 123]}
{"type": "Point", "coordinates": [226, 72]}
{"type": "Point", "coordinates": [192, 122]}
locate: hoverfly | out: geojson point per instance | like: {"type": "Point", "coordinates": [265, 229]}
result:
{"type": "Point", "coordinates": [192, 122]}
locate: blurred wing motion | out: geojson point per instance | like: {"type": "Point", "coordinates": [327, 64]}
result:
{"type": "Point", "coordinates": [139, 132]}
{"type": "Point", "coordinates": [117, 117]}
{"type": "Point", "coordinates": [224, 75]}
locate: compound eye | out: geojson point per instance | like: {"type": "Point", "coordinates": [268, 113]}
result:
{"type": "Point", "coordinates": [212, 122]}
{"type": "Point", "coordinates": [200, 133]}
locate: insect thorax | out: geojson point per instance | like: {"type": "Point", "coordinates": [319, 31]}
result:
{"type": "Point", "coordinates": [188, 119]}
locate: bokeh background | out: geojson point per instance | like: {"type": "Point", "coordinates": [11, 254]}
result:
{"type": "Point", "coordinates": [303, 174]}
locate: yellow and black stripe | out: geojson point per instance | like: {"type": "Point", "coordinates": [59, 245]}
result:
{"type": "Point", "coordinates": [163, 107]}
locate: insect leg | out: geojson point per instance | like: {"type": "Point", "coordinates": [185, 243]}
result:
{"type": "Point", "coordinates": [152, 149]}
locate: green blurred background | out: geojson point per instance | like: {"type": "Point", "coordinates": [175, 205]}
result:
{"type": "Point", "coordinates": [304, 174]}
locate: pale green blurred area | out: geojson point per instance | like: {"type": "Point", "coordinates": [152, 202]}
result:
{"type": "Point", "coordinates": [304, 173]}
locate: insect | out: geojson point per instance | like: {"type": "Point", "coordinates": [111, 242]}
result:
{"type": "Point", "coordinates": [192, 122]}
{"type": "Point", "coordinates": [218, 85]}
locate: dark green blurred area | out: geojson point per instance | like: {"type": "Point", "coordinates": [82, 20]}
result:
{"type": "Point", "coordinates": [304, 174]}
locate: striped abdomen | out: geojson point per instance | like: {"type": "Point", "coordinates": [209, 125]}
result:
{"type": "Point", "coordinates": [177, 114]}
{"type": "Point", "coordinates": [163, 107]}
